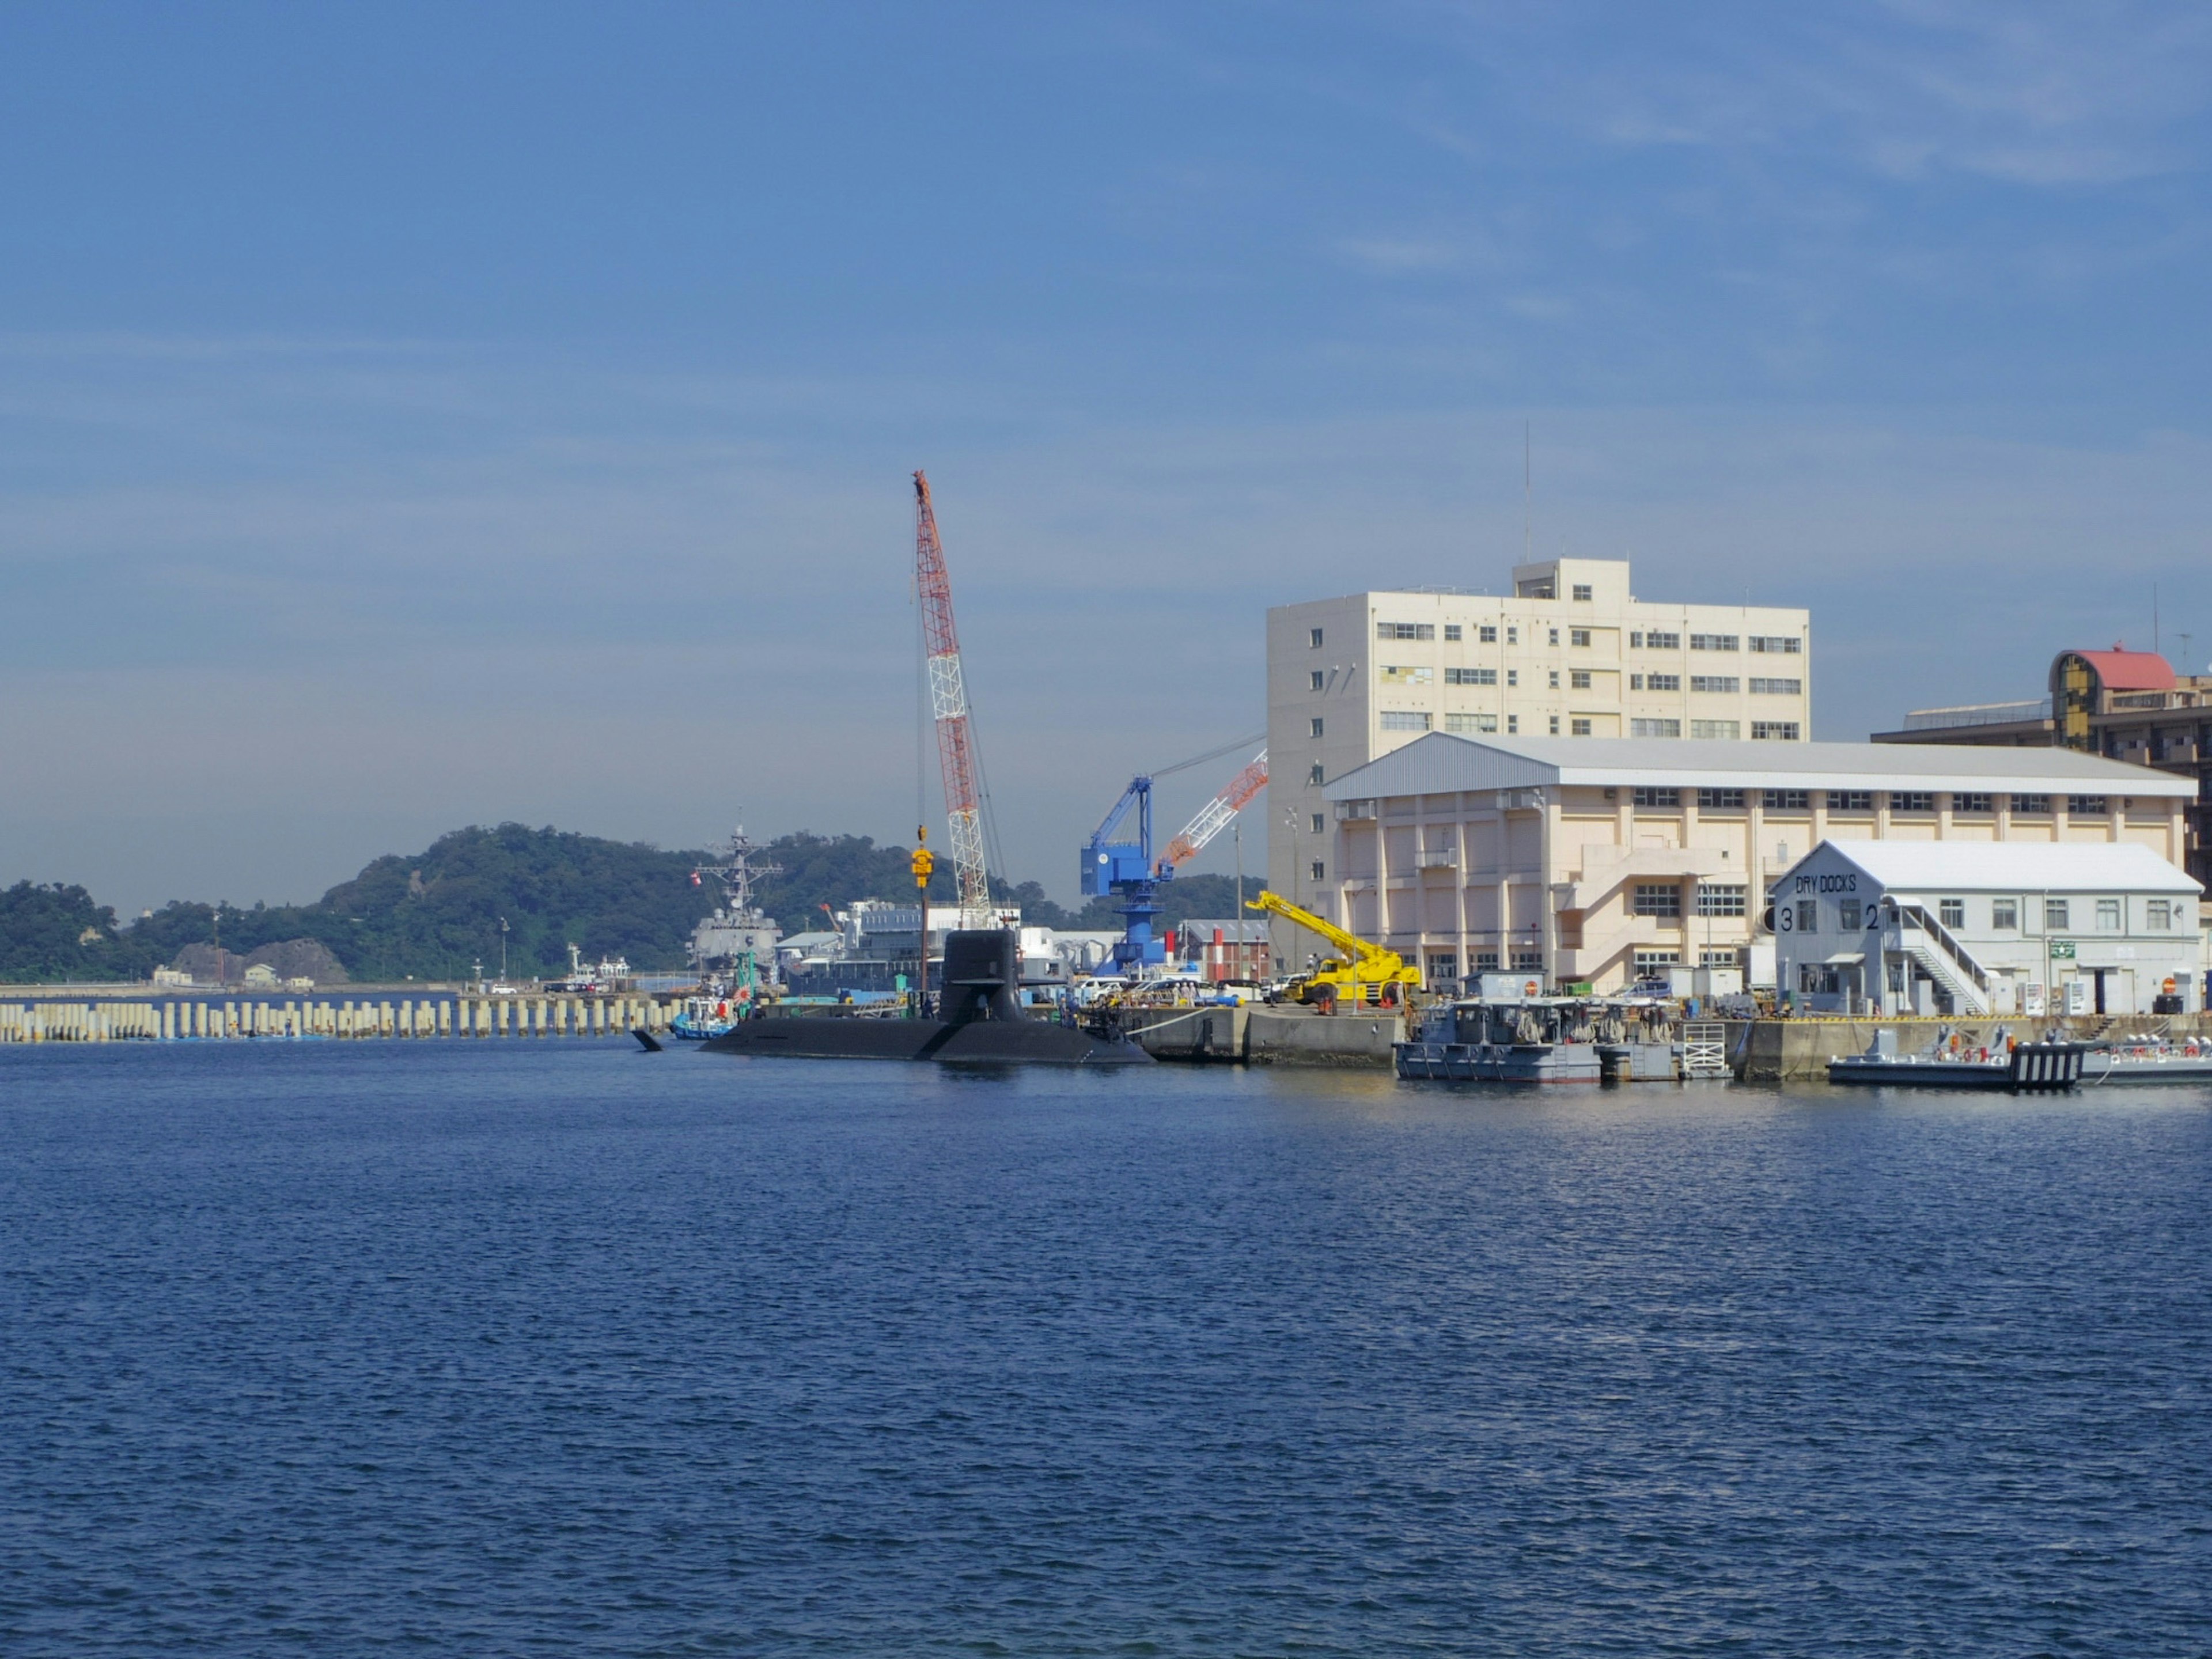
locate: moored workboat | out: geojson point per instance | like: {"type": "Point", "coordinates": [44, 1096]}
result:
{"type": "Point", "coordinates": [1537, 1040]}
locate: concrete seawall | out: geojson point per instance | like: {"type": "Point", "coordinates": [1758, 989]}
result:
{"type": "Point", "coordinates": [1798, 1050]}
{"type": "Point", "coordinates": [1265, 1037]}
{"type": "Point", "coordinates": [48, 1014]}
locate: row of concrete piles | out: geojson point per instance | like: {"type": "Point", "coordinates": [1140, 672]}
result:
{"type": "Point", "coordinates": [114, 1019]}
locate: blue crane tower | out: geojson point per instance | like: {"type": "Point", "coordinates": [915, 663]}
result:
{"type": "Point", "coordinates": [1124, 867]}
{"type": "Point", "coordinates": [1117, 859]}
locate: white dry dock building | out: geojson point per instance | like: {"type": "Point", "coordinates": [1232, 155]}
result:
{"type": "Point", "coordinates": [2029, 928]}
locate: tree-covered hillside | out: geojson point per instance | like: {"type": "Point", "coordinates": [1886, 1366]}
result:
{"type": "Point", "coordinates": [436, 914]}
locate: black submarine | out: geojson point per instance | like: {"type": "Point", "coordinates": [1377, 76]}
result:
{"type": "Point", "coordinates": [978, 1022]}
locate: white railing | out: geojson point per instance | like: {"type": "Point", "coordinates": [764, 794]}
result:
{"type": "Point", "coordinates": [1940, 956]}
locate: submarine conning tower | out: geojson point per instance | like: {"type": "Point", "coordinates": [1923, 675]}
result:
{"type": "Point", "coordinates": [981, 968]}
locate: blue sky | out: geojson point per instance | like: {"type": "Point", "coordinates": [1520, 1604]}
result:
{"type": "Point", "coordinates": [411, 416]}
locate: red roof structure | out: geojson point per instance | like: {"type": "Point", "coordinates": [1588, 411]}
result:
{"type": "Point", "coordinates": [2122, 670]}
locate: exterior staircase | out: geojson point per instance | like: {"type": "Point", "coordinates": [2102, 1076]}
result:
{"type": "Point", "coordinates": [1941, 957]}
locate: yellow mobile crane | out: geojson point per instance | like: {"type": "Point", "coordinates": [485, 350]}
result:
{"type": "Point", "coordinates": [1364, 973]}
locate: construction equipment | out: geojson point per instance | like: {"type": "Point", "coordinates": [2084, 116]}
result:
{"type": "Point", "coordinates": [948, 696]}
{"type": "Point", "coordinates": [1364, 975]}
{"type": "Point", "coordinates": [1124, 866]}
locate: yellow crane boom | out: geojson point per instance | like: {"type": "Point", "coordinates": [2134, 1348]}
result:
{"type": "Point", "coordinates": [1367, 972]}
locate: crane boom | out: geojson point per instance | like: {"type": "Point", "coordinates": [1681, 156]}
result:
{"type": "Point", "coordinates": [948, 696]}
{"type": "Point", "coordinates": [1214, 817]}
{"type": "Point", "coordinates": [1351, 943]}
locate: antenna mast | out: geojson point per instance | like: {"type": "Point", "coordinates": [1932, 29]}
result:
{"type": "Point", "coordinates": [948, 696]}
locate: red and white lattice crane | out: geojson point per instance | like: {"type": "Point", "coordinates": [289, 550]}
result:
{"type": "Point", "coordinates": [948, 696]}
{"type": "Point", "coordinates": [1214, 817]}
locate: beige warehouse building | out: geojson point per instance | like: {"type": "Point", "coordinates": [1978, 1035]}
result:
{"type": "Point", "coordinates": [1570, 653]}
{"type": "Point", "coordinates": [1592, 858]}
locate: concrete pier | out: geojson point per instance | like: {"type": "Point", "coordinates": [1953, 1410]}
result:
{"type": "Point", "coordinates": [125, 1014]}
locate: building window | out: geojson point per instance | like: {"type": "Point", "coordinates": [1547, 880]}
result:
{"type": "Point", "coordinates": [1662, 681]}
{"type": "Point", "coordinates": [1760, 687]}
{"type": "Point", "coordinates": [2035, 806]}
{"type": "Point", "coordinates": [1654, 728]}
{"type": "Point", "coordinates": [1730, 730]}
{"type": "Point", "coordinates": [1578, 637]}
{"type": "Point", "coordinates": [1404, 720]}
{"type": "Point", "coordinates": [1643, 796]}
{"type": "Point", "coordinates": [1721, 899]}
{"type": "Point", "coordinates": [1317, 823]}
{"type": "Point", "coordinates": [2055, 913]}
{"type": "Point", "coordinates": [1555, 636]}
{"type": "Point", "coordinates": [1654, 964]}
{"type": "Point", "coordinates": [1314, 775]}
{"type": "Point", "coordinates": [1554, 681]}
{"type": "Point", "coordinates": [2088, 807]}
{"type": "Point", "coordinates": [1581, 591]}
{"type": "Point", "coordinates": [1578, 679]}
{"type": "Point", "coordinates": [1713, 641]}
{"type": "Point", "coordinates": [1313, 727]}
{"type": "Point", "coordinates": [1774, 731]}
{"type": "Point", "coordinates": [1527, 962]}
{"type": "Point", "coordinates": [1470, 676]}
{"type": "Point", "coordinates": [1636, 682]}
{"type": "Point", "coordinates": [1658, 641]}
{"type": "Point", "coordinates": [1313, 639]}
{"type": "Point", "coordinates": [1513, 676]}
{"type": "Point", "coordinates": [1579, 728]}
{"type": "Point", "coordinates": [1405, 630]}
{"type": "Point", "coordinates": [1485, 961]}
{"type": "Point", "coordinates": [1512, 634]}
{"type": "Point", "coordinates": [1787, 800]}
{"type": "Point", "coordinates": [1317, 870]}
{"type": "Point", "coordinates": [1719, 956]}
{"type": "Point", "coordinates": [1722, 682]}
{"type": "Point", "coordinates": [1314, 681]}
{"type": "Point", "coordinates": [1973, 802]}
{"type": "Point", "coordinates": [1847, 915]}
{"type": "Point", "coordinates": [1408, 675]}
{"type": "Point", "coordinates": [1512, 724]}
{"type": "Point", "coordinates": [1911, 800]}
{"type": "Point", "coordinates": [1779, 644]}
{"type": "Point", "coordinates": [1464, 724]}
{"type": "Point", "coordinates": [2108, 915]}
{"type": "Point", "coordinates": [1951, 912]}
{"type": "Point", "coordinates": [2004, 915]}
{"type": "Point", "coordinates": [1808, 915]}
{"type": "Point", "coordinates": [1442, 966]}
{"type": "Point", "coordinates": [1656, 899]}
{"type": "Point", "coordinates": [2158, 914]}
{"type": "Point", "coordinates": [1555, 725]}
{"type": "Point", "coordinates": [1849, 800]}
{"type": "Point", "coordinates": [1723, 800]}
{"type": "Point", "coordinates": [1451, 630]}
{"type": "Point", "coordinates": [1486, 634]}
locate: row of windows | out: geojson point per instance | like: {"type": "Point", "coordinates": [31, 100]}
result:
{"type": "Point", "coordinates": [1579, 638]}
{"type": "Point", "coordinates": [2160, 916]}
{"type": "Point", "coordinates": [1761, 730]}
{"type": "Point", "coordinates": [1861, 800]}
{"type": "Point", "coordinates": [1578, 679]}
{"type": "Point", "coordinates": [1664, 899]}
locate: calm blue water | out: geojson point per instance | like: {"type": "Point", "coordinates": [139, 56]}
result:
{"type": "Point", "coordinates": [524, 1348]}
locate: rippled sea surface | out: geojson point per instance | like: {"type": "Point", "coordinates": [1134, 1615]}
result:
{"type": "Point", "coordinates": [561, 1348]}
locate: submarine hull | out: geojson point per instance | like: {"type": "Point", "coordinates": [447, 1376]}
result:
{"type": "Point", "coordinates": [979, 1041]}
{"type": "Point", "coordinates": [984, 1026]}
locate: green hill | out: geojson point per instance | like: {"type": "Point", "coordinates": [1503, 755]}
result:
{"type": "Point", "coordinates": [435, 914]}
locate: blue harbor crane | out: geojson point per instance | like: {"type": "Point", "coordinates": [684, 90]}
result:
{"type": "Point", "coordinates": [1117, 859]}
